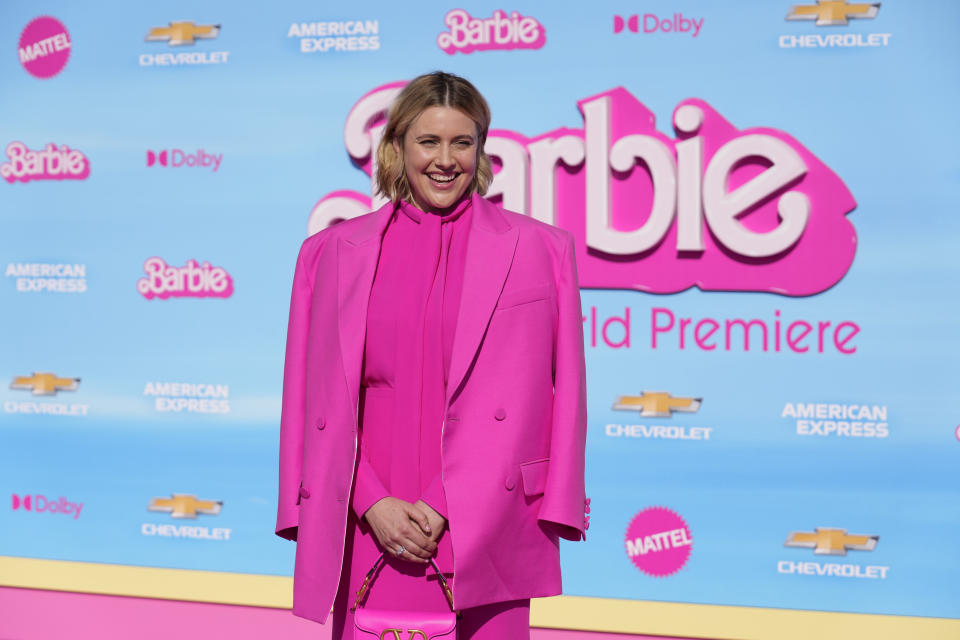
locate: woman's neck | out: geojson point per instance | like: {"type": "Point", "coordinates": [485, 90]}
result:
{"type": "Point", "coordinates": [459, 205]}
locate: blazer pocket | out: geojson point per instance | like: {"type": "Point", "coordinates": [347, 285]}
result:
{"type": "Point", "coordinates": [535, 476]}
{"type": "Point", "coordinates": [523, 296]}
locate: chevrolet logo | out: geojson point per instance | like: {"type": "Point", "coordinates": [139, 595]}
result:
{"type": "Point", "coordinates": [44, 384]}
{"type": "Point", "coordinates": [182, 33]}
{"type": "Point", "coordinates": [833, 12]}
{"type": "Point", "coordinates": [183, 505]}
{"type": "Point", "coordinates": [657, 404]}
{"type": "Point", "coordinates": [831, 542]}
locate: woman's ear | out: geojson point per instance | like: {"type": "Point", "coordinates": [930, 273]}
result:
{"type": "Point", "coordinates": [396, 147]}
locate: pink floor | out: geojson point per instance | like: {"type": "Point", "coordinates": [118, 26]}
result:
{"type": "Point", "coordinates": [53, 615]}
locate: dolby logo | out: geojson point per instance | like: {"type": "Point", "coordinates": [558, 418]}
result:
{"type": "Point", "coordinates": [39, 503]}
{"type": "Point", "coordinates": [178, 158]}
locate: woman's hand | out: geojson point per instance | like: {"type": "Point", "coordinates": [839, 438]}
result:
{"type": "Point", "coordinates": [436, 521]}
{"type": "Point", "coordinates": [397, 523]}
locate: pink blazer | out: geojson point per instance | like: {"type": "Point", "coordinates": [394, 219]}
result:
{"type": "Point", "coordinates": [515, 428]}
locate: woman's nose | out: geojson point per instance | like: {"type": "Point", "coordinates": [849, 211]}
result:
{"type": "Point", "coordinates": [445, 157]}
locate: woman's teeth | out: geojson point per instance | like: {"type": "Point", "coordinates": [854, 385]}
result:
{"type": "Point", "coordinates": [442, 179]}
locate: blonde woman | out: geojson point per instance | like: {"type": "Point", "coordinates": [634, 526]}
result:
{"type": "Point", "coordinates": [434, 398]}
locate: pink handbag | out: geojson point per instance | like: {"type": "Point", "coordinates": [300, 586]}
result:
{"type": "Point", "coordinates": [380, 624]}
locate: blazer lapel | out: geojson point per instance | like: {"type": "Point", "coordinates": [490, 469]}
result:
{"type": "Point", "coordinates": [490, 250]}
{"type": "Point", "coordinates": [357, 263]}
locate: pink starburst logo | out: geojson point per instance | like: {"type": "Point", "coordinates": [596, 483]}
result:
{"type": "Point", "coordinates": [658, 542]}
{"type": "Point", "coordinates": [44, 47]}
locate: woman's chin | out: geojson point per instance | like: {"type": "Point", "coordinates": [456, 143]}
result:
{"type": "Point", "coordinates": [443, 201]}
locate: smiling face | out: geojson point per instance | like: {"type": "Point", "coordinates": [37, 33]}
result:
{"type": "Point", "coordinates": [439, 157]}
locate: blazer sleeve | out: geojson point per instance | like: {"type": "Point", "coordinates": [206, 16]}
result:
{"type": "Point", "coordinates": [293, 408]}
{"type": "Point", "coordinates": [564, 500]}
{"type": "Point", "coordinates": [368, 489]}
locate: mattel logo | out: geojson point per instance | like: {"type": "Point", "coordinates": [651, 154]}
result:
{"type": "Point", "coordinates": [658, 541]}
{"type": "Point", "coordinates": [39, 502]}
{"type": "Point", "coordinates": [677, 23]}
{"type": "Point", "coordinates": [44, 47]}
{"type": "Point", "coordinates": [180, 158]}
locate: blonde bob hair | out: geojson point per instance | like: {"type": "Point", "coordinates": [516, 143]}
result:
{"type": "Point", "coordinates": [437, 89]}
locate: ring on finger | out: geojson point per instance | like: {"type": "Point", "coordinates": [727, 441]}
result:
{"type": "Point", "coordinates": [400, 551]}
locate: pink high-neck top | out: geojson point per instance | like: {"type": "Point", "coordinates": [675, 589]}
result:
{"type": "Point", "coordinates": [411, 320]}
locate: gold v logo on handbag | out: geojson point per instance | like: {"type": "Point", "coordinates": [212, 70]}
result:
{"type": "Point", "coordinates": [414, 634]}
{"type": "Point", "coordinates": [379, 624]}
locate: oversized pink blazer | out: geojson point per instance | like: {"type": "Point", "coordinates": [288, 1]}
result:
{"type": "Point", "coordinates": [515, 427]}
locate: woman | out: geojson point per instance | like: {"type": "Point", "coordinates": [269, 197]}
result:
{"type": "Point", "coordinates": [433, 399]}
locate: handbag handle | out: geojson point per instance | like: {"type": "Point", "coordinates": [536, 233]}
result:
{"type": "Point", "coordinates": [368, 580]}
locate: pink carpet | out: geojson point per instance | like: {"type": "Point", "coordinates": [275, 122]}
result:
{"type": "Point", "coordinates": [27, 614]}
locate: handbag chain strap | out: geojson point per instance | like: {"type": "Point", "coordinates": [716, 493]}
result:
{"type": "Point", "coordinates": [368, 580]}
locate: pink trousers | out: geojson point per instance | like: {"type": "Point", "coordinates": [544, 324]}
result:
{"type": "Point", "coordinates": [498, 621]}
{"type": "Point", "coordinates": [407, 586]}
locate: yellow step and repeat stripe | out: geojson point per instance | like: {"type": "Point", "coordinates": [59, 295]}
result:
{"type": "Point", "coordinates": [562, 612]}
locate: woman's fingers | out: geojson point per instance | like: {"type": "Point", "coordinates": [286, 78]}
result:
{"type": "Point", "coordinates": [397, 523]}
{"type": "Point", "coordinates": [435, 521]}
{"type": "Point", "coordinates": [414, 529]}
{"type": "Point", "coordinates": [413, 540]}
{"type": "Point", "coordinates": [414, 552]}
{"type": "Point", "coordinates": [417, 515]}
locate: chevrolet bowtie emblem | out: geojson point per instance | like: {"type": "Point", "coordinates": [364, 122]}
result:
{"type": "Point", "coordinates": [182, 33]}
{"type": "Point", "coordinates": [831, 542]}
{"type": "Point", "coordinates": [833, 12]}
{"type": "Point", "coordinates": [182, 505]}
{"type": "Point", "coordinates": [44, 384]}
{"type": "Point", "coordinates": [657, 404]}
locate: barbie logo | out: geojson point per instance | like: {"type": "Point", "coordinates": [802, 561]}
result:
{"type": "Point", "coordinates": [51, 163]}
{"type": "Point", "coordinates": [468, 34]}
{"type": "Point", "coordinates": [717, 207]}
{"type": "Point", "coordinates": [193, 280]}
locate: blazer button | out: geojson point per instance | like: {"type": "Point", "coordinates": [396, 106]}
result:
{"type": "Point", "coordinates": [321, 423]}
{"type": "Point", "coordinates": [304, 493]}
{"type": "Point", "coordinates": [500, 413]}
{"type": "Point", "coordinates": [509, 483]}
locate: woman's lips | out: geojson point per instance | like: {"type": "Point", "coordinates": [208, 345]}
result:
{"type": "Point", "coordinates": [443, 181]}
